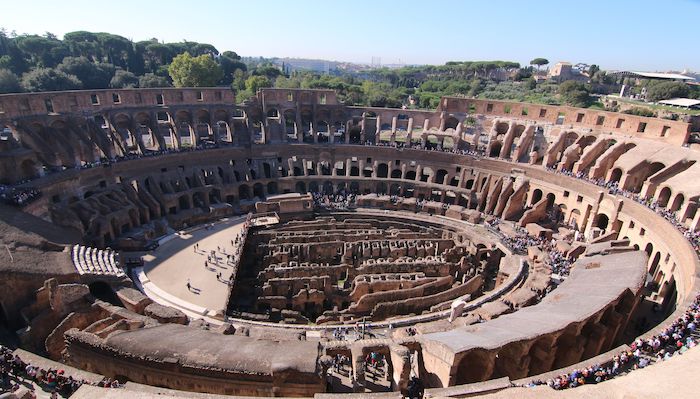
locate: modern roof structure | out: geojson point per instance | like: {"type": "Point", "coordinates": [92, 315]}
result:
{"type": "Point", "coordinates": [655, 75]}
{"type": "Point", "coordinates": [681, 102]}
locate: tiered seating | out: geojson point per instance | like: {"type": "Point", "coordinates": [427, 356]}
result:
{"type": "Point", "coordinates": [93, 261]}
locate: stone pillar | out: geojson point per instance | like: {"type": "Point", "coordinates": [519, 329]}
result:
{"type": "Point", "coordinates": [393, 124]}
{"type": "Point", "coordinates": [358, 368]}
{"type": "Point", "coordinates": [401, 363]}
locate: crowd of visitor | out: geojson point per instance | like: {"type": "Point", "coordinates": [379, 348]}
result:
{"type": "Point", "coordinates": [673, 340]}
{"type": "Point", "coordinates": [18, 196]}
{"type": "Point", "coordinates": [341, 199]}
{"type": "Point", "coordinates": [15, 372]}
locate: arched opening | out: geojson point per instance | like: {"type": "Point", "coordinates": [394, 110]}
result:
{"type": "Point", "coordinates": [306, 121]}
{"type": "Point", "coordinates": [258, 190]}
{"type": "Point", "coordinates": [338, 132]}
{"type": "Point", "coordinates": [198, 200]}
{"type": "Point", "coordinates": [536, 196]}
{"type": "Point", "coordinates": [677, 203]}
{"type": "Point", "coordinates": [354, 171]}
{"type": "Point", "coordinates": [273, 113]}
{"type": "Point", "coordinates": [473, 367]}
{"type": "Point", "coordinates": [551, 198]}
{"type": "Point", "coordinates": [355, 135]}
{"type": "Point", "coordinates": [322, 132]}
{"type": "Point", "coordinates": [495, 149]}
{"type": "Point", "coordinates": [300, 187]}
{"type": "Point", "coordinates": [616, 175]}
{"type": "Point", "coordinates": [290, 122]}
{"type": "Point", "coordinates": [382, 170]}
{"type": "Point", "coordinates": [184, 202]}
{"type": "Point", "coordinates": [664, 196]}
{"type": "Point", "coordinates": [501, 128]}
{"type": "Point", "coordinates": [244, 192]}
{"type": "Point", "coordinates": [411, 175]}
{"type": "Point", "coordinates": [396, 174]}
{"type": "Point", "coordinates": [440, 176]}
{"type": "Point", "coordinates": [602, 221]}
{"type": "Point", "coordinates": [272, 188]}
{"type": "Point", "coordinates": [451, 123]}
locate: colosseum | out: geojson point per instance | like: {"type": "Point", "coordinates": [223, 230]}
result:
{"type": "Point", "coordinates": [176, 243]}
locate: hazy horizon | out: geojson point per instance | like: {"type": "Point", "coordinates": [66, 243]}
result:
{"type": "Point", "coordinates": [633, 35]}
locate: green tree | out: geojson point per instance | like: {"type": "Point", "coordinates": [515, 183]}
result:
{"type": "Point", "coordinates": [93, 75]}
{"type": "Point", "coordinates": [254, 83]}
{"type": "Point", "coordinates": [153, 80]}
{"type": "Point", "coordinates": [666, 90]}
{"type": "Point", "coordinates": [9, 82]}
{"type": "Point", "coordinates": [531, 84]}
{"type": "Point", "coordinates": [575, 93]}
{"type": "Point", "coordinates": [188, 71]}
{"type": "Point", "coordinates": [539, 62]}
{"type": "Point", "coordinates": [49, 79]}
{"type": "Point", "coordinates": [124, 79]}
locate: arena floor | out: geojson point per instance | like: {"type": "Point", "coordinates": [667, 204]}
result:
{"type": "Point", "coordinates": [175, 262]}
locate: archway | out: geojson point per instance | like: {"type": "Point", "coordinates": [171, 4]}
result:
{"type": "Point", "coordinates": [382, 170]}
{"type": "Point", "coordinates": [451, 123]}
{"type": "Point", "coordinates": [664, 196]}
{"type": "Point", "coordinates": [602, 221]}
{"type": "Point", "coordinates": [536, 196]}
{"type": "Point", "coordinates": [616, 175]}
{"type": "Point", "coordinates": [258, 190]}
{"type": "Point", "coordinates": [677, 203]}
{"type": "Point", "coordinates": [244, 192]}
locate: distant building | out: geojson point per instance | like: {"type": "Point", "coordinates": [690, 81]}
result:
{"type": "Point", "coordinates": [563, 71]}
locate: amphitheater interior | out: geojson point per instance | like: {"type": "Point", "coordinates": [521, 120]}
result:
{"type": "Point", "coordinates": [481, 248]}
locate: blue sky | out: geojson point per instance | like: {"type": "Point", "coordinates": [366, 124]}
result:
{"type": "Point", "coordinates": [616, 34]}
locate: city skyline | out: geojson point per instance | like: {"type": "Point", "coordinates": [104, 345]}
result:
{"type": "Point", "coordinates": [640, 35]}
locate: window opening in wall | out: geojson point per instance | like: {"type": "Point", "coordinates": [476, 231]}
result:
{"type": "Point", "coordinates": [665, 130]}
{"type": "Point", "coordinates": [180, 96]}
{"type": "Point", "coordinates": [489, 107]}
{"type": "Point", "coordinates": [543, 113]}
{"type": "Point", "coordinates": [566, 194]}
{"type": "Point", "coordinates": [523, 112]}
{"type": "Point", "coordinates": [217, 96]}
{"type": "Point", "coordinates": [200, 97]}
{"type": "Point", "coordinates": [24, 105]}
{"type": "Point", "coordinates": [322, 99]}
{"type": "Point", "coordinates": [579, 117]}
{"type": "Point", "coordinates": [472, 108]}
{"type": "Point", "coordinates": [506, 109]}
{"type": "Point", "coordinates": [579, 199]}
{"type": "Point", "coordinates": [642, 231]}
{"type": "Point", "coordinates": [115, 98]}
{"type": "Point", "coordinates": [49, 105]}
{"type": "Point", "coordinates": [73, 101]}
{"type": "Point", "coordinates": [560, 118]}
{"type": "Point", "coordinates": [619, 123]}
{"type": "Point", "coordinates": [642, 127]}
{"type": "Point", "coordinates": [95, 99]}
{"type": "Point", "coordinates": [290, 96]}
{"type": "Point", "coordinates": [159, 99]}
{"type": "Point", "coordinates": [600, 120]}
{"type": "Point", "coordinates": [369, 160]}
{"type": "Point", "coordinates": [162, 116]}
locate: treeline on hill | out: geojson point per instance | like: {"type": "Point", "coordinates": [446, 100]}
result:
{"type": "Point", "coordinates": [87, 60]}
